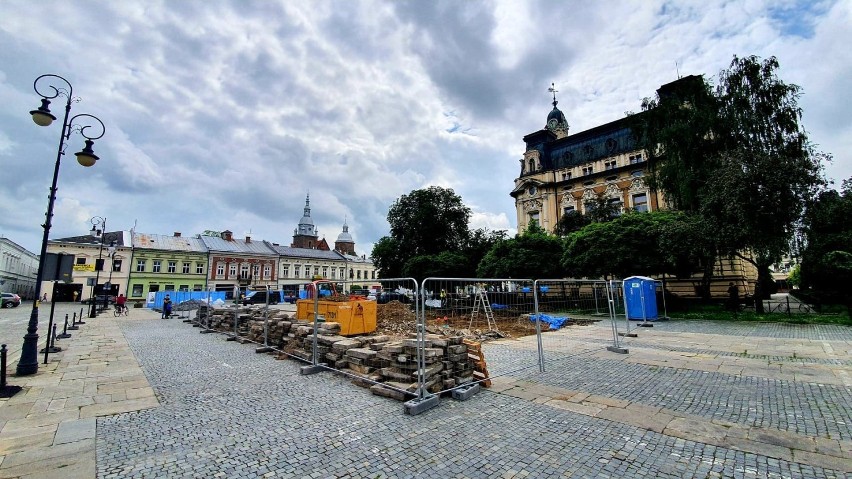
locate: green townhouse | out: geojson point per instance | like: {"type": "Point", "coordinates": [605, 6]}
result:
{"type": "Point", "coordinates": [166, 263]}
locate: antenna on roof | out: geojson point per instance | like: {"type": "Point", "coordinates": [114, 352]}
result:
{"type": "Point", "coordinates": [677, 69]}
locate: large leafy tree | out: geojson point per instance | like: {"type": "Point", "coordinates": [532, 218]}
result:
{"type": "Point", "coordinates": [676, 130]}
{"type": "Point", "coordinates": [570, 222]}
{"type": "Point", "coordinates": [634, 244]}
{"type": "Point", "coordinates": [599, 209]}
{"type": "Point", "coordinates": [766, 170]}
{"type": "Point", "coordinates": [429, 221]}
{"type": "Point", "coordinates": [826, 267]}
{"type": "Point", "coordinates": [430, 237]}
{"type": "Point", "coordinates": [533, 254]}
{"type": "Point", "coordinates": [736, 156]}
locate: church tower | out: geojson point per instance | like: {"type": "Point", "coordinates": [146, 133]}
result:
{"type": "Point", "coordinates": [345, 244]}
{"type": "Point", "coordinates": [306, 235]}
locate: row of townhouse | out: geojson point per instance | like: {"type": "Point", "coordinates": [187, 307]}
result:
{"type": "Point", "coordinates": [138, 264]}
{"type": "Point", "coordinates": [18, 268]}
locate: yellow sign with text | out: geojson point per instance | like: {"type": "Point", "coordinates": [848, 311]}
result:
{"type": "Point", "coordinates": [84, 267]}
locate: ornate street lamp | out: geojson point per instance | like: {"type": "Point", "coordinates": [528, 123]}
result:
{"type": "Point", "coordinates": [81, 124]}
{"type": "Point", "coordinates": [97, 221]}
{"type": "Point", "coordinates": [111, 250]}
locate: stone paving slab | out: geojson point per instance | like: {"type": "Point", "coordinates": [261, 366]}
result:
{"type": "Point", "coordinates": [227, 411]}
{"type": "Point", "coordinates": [49, 429]}
{"type": "Point", "coordinates": [157, 399]}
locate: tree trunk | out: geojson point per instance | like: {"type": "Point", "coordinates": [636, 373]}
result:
{"type": "Point", "coordinates": [761, 289]}
{"type": "Point", "coordinates": [707, 278]}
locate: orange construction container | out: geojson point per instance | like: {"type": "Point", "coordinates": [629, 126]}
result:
{"type": "Point", "coordinates": [354, 317]}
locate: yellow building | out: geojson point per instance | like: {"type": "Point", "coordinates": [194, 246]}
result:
{"type": "Point", "coordinates": [562, 172]}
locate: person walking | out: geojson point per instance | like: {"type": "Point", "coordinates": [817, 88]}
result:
{"type": "Point", "coordinates": [74, 295]}
{"type": "Point", "coordinates": [167, 307]}
{"type": "Point", "coordinates": [733, 298]}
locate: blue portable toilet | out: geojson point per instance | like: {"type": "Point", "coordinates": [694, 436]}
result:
{"type": "Point", "coordinates": [640, 298]}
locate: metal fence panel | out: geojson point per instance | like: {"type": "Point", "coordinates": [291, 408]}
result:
{"type": "Point", "coordinates": [476, 330]}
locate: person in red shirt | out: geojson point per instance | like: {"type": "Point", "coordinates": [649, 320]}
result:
{"type": "Point", "coordinates": [121, 301]}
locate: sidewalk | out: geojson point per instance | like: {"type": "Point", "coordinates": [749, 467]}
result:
{"type": "Point", "coordinates": [692, 399]}
{"type": "Point", "coordinates": [48, 429]}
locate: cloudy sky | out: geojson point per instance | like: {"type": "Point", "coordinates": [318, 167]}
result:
{"type": "Point", "coordinates": [225, 114]}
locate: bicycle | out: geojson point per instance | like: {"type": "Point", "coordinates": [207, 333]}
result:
{"type": "Point", "coordinates": [121, 309]}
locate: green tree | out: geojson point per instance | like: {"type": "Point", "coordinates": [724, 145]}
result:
{"type": "Point", "coordinates": [447, 264]}
{"type": "Point", "coordinates": [767, 169]}
{"type": "Point", "coordinates": [736, 156]}
{"type": "Point", "coordinates": [828, 245]}
{"type": "Point", "coordinates": [430, 237]}
{"type": "Point", "coordinates": [429, 221]}
{"type": "Point", "coordinates": [570, 222]}
{"type": "Point", "coordinates": [599, 209]}
{"type": "Point", "coordinates": [388, 257]}
{"type": "Point", "coordinates": [652, 243]}
{"type": "Point", "coordinates": [533, 254]}
{"type": "Point", "coordinates": [677, 132]}
{"type": "Point", "coordinates": [478, 245]}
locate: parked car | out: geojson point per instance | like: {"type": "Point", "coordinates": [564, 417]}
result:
{"type": "Point", "coordinates": [387, 296]}
{"type": "Point", "coordinates": [99, 299]}
{"type": "Point", "coordinates": [11, 300]}
{"type": "Point", "coordinates": [259, 297]}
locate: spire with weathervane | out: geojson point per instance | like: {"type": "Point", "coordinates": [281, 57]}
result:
{"type": "Point", "coordinates": [556, 121]}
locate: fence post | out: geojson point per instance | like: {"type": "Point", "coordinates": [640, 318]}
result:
{"type": "Point", "coordinates": [315, 365]}
{"type": "Point", "coordinates": [616, 347]}
{"type": "Point", "coordinates": [538, 327]}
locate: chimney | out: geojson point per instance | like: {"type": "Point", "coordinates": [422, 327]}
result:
{"type": "Point", "coordinates": [177, 234]}
{"type": "Point", "coordinates": [226, 235]}
{"type": "Point", "coordinates": [248, 239]}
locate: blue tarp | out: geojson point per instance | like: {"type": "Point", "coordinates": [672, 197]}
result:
{"type": "Point", "coordinates": [178, 297]}
{"type": "Point", "coordinates": [498, 306]}
{"type": "Point", "coordinates": [555, 322]}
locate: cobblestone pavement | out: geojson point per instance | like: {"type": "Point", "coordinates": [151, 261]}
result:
{"type": "Point", "coordinates": [228, 412]}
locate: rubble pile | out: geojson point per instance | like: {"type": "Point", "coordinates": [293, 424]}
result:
{"type": "Point", "coordinates": [387, 363]}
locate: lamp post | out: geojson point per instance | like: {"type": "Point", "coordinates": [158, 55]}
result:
{"type": "Point", "coordinates": [28, 364]}
{"type": "Point", "coordinates": [111, 250]}
{"type": "Point", "coordinates": [99, 264]}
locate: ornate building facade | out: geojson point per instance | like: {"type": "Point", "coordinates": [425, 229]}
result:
{"type": "Point", "coordinates": [561, 173]}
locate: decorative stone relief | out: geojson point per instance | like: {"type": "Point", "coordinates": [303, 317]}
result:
{"type": "Point", "coordinates": [532, 205]}
{"type": "Point", "coordinates": [612, 191]}
{"type": "Point", "coordinates": [637, 185]}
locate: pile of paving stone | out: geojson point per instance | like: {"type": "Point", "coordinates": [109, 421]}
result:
{"type": "Point", "coordinates": [385, 365]}
{"type": "Point", "coordinates": [388, 367]}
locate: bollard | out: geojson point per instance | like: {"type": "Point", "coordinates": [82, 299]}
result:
{"type": "Point", "coordinates": [74, 326]}
{"type": "Point", "coordinates": [3, 367]}
{"type": "Point", "coordinates": [81, 317]}
{"type": "Point", "coordinates": [65, 334]}
{"type": "Point", "coordinates": [6, 391]}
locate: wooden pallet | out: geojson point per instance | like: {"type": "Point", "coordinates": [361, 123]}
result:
{"type": "Point", "coordinates": [480, 367]}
